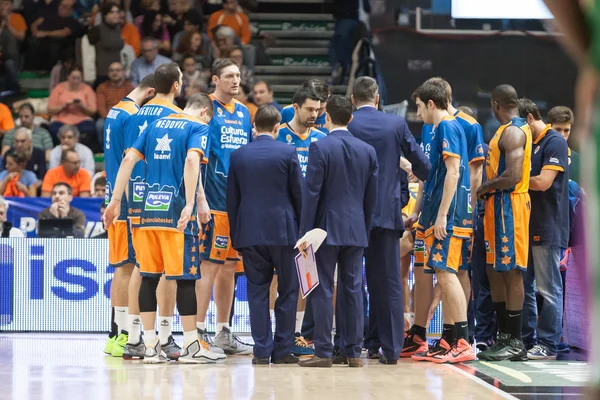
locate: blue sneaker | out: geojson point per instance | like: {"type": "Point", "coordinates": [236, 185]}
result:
{"type": "Point", "coordinates": [563, 348]}
{"type": "Point", "coordinates": [301, 347]}
{"type": "Point", "coordinates": [541, 352]}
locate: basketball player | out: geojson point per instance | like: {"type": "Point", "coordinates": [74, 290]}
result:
{"type": "Point", "coordinates": [120, 248]}
{"type": "Point", "coordinates": [173, 148]}
{"type": "Point", "coordinates": [230, 129]}
{"type": "Point", "coordinates": [445, 221]}
{"type": "Point", "coordinates": [322, 91]}
{"type": "Point", "coordinates": [506, 222]}
{"type": "Point", "coordinates": [167, 79]}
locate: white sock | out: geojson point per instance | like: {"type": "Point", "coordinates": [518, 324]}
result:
{"type": "Point", "coordinates": [333, 325]}
{"type": "Point", "coordinates": [121, 318]}
{"type": "Point", "coordinates": [299, 319]}
{"type": "Point", "coordinates": [150, 337]}
{"type": "Point", "coordinates": [164, 329]}
{"type": "Point", "coordinates": [135, 328]}
{"type": "Point", "coordinates": [272, 314]}
{"type": "Point", "coordinates": [201, 326]}
{"type": "Point", "coordinates": [220, 326]}
{"type": "Point", "coordinates": [189, 337]}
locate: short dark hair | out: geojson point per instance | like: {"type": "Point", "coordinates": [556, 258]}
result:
{"type": "Point", "coordinates": [245, 87]}
{"type": "Point", "coordinates": [201, 100]}
{"type": "Point", "coordinates": [165, 76]}
{"type": "Point", "coordinates": [101, 181]}
{"type": "Point", "coordinates": [365, 89]}
{"type": "Point", "coordinates": [266, 118]}
{"type": "Point", "coordinates": [27, 105]}
{"type": "Point", "coordinates": [220, 64]}
{"type": "Point", "coordinates": [107, 6]}
{"type": "Point", "coordinates": [527, 107]}
{"type": "Point", "coordinates": [304, 94]}
{"type": "Point", "coordinates": [264, 83]}
{"type": "Point", "coordinates": [193, 17]}
{"type": "Point", "coordinates": [506, 96]}
{"type": "Point", "coordinates": [66, 185]}
{"type": "Point", "coordinates": [560, 115]}
{"type": "Point", "coordinates": [467, 110]}
{"type": "Point", "coordinates": [320, 87]}
{"type": "Point", "coordinates": [147, 82]}
{"type": "Point", "coordinates": [339, 109]}
{"type": "Point", "coordinates": [19, 158]}
{"type": "Point", "coordinates": [434, 91]}
{"type": "Point", "coordinates": [444, 83]}
{"type": "Point", "coordinates": [75, 68]}
{"type": "Point", "coordinates": [65, 153]}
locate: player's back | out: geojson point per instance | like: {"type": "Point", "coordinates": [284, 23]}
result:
{"type": "Point", "coordinates": [301, 142]}
{"type": "Point", "coordinates": [474, 136]}
{"type": "Point", "coordinates": [496, 162]}
{"type": "Point", "coordinates": [230, 129]}
{"type": "Point", "coordinates": [287, 114]}
{"type": "Point", "coordinates": [165, 147]}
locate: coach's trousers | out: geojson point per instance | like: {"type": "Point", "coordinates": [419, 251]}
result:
{"type": "Point", "coordinates": [259, 262]}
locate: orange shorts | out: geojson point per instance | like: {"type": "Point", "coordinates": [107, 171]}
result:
{"type": "Point", "coordinates": [120, 245]}
{"type": "Point", "coordinates": [446, 255]}
{"type": "Point", "coordinates": [171, 252]}
{"type": "Point", "coordinates": [506, 231]}
{"type": "Point", "coordinates": [216, 242]}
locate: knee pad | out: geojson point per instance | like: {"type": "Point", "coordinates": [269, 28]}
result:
{"type": "Point", "coordinates": [147, 295]}
{"type": "Point", "coordinates": [186, 298]}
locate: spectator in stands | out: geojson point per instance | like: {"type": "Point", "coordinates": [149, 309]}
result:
{"type": "Point", "coordinates": [6, 120]}
{"type": "Point", "coordinates": [174, 18]}
{"type": "Point", "coordinates": [148, 62]}
{"type": "Point", "coordinates": [104, 233]}
{"type": "Point", "coordinates": [69, 140]}
{"type": "Point", "coordinates": [223, 38]}
{"type": "Point", "coordinates": [14, 22]}
{"type": "Point", "coordinates": [242, 97]}
{"type": "Point", "coordinates": [74, 103]}
{"type": "Point", "coordinates": [62, 196]}
{"type": "Point", "coordinates": [68, 171]}
{"type": "Point", "coordinates": [232, 17]}
{"type": "Point", "coordinates": [107, 40]}
{"type": "Point", "coordinates": [192, 22]}
{"type": "Point", "coordinates": [191, 73]}
{"type": "Point", "coordinates": [100, 188]}
{"type": "Point", "coordinates": [108, 94]}
{"type": "Point", "coordinates": [130, 34]}
{"type": "Point", "coordinates": [195, 86]}
{"type": "Point", "coordinates": [40, 137]}
{"type": "Point", "coordinates": [263, 94]}
{"type": "Point", "coordinates": [51, 34]}
{"type": "Point", "coordinates": [6, 228]}
{"type": "Point", "coordinates": [15, 180]}
{"type": "Point", "coordinates": [61, 70]}
{"type": "Point", "coordinates": [36, 158]}
{"type": "Point", "coordinates": [9, 57]}
{"type": "Point", "coordinates": [236, 54]}
{"type": "Point", "coordinates": [153, 26]}
{"type": "Point", "coordinates": [191, 44]}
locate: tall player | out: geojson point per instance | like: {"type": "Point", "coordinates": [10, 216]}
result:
{"type": "Point", "coordinates": [173, 148]}
{"type": "Point", "coordinates": [445, 221]}
{"type": "Point", "coordinates": [322, 91]}
{"type": "Point", "coordinates": [167, 79]}
{"type": "Point", "coordinates": [506, 222]}
{"type": "Point", "coordinates": [230, 129]}
{"type": "Point", "coordinates": [120, 248]}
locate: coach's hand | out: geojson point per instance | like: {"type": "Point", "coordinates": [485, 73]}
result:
{"type": "Point", "coordinates": [203, 211]}
{"type": "Point", "coordinates": [410, 221]}
{"type": "Point", "coordinates": [439, 229]}
{"type": "Point", "coordinates": [111, 213]}
{"type": "Point", "coordinates": [302, 249]}
{"type": "Point", "coordinates": [186, 214]}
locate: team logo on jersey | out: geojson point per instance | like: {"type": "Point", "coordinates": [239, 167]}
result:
{"type": "Point", "coordinates": [221, 242]}
{"type": "Point", "coordinates": [138, 191]}
{"type": "Point", "coordinates": [158, 201]}
{"type": "Point", "coordinates": [107, 139]}
{"type": "Point", "coordinates": [445, 144]}
{"type": "Point", "coordinates": [536, 150]}
{"type": "Point", "coordinates": [220, 111]}
{"type": "Point", "coordinates": [142, 128]}
{"type": "Point", "coordinates": [313, 140]}
{"type": "Point", "coordinates": [554, 160]}
{"type": "Point", "coordinates": [288, 137]}
{"type": "Point", "coordinates": [240, 114]}
{"type": "Point", "coordinates": [479, 149]}
{"type": "Point", "coordinates": [163, 145]}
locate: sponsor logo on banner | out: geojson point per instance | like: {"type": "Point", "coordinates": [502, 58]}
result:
{"type": "Point", "coordinates": [158, 201]}
{"type": "Point", "coordinates": [138, 191]}
{"type": "Point", "coordinates": [221, 242]}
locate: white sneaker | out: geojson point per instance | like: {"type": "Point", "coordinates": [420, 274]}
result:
{"type": "Point", "coordinates": [231, 344]}
{"type": "Point", "coordinates": [199, 353]}
{"type": "Point", "coordinates": [155, 355]}
{"type": "Point", "coordinates": [204, 336]}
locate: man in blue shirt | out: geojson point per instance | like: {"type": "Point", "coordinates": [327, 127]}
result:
{"type": "Point", "coordinates": [148, 62]}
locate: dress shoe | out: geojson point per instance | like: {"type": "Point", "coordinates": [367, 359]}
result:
{"type": "Point", "coordinates": [316, 362]}
{"type": "Point", "coordinates": [288, 359]}
{"type": "Point", "coordinates": [355, 363]}
{"type": "Point", "coordinates": [384, 360]}
{"type": "Point", "coordinates": [373, 354]}
{"type": "Point", "coordinates": [260, 360]}
{"type": "Point", "coordinates": [339, 359]}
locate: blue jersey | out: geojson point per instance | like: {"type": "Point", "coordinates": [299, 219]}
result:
{"type": "Point", "coordinates": [301, 142]}
{"type": "Point", "coordinates": [474, 135]}
{"type": "Point", "coordinates": [136, 125]}
{"type": "Point", "coordinates": [114, 143]}
{"type": "Point", "coordinates": [164, 146]}
{"type": "Point", "coordinates": [287, 114]}
{"type": "Point", "coordinates": [446, 140]}
{"type": "Point", "coordinates": [230, 129]}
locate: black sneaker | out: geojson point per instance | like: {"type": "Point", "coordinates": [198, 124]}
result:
{"type": "Point", "coordinates": [513, 350]}
{"type": "Point", "coordinates": [413, 344]}
{"type": "Point", "coordinates": [373, 354]}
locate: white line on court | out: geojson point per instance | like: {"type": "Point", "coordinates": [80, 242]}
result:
{"type": "Point", "coordinates": [482, 382]}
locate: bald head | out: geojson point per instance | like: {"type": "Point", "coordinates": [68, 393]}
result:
{"type": "Point", "coordinates": [505, 96]}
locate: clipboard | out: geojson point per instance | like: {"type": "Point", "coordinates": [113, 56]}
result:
{"type": "Point", "coordinates": [308, 277]}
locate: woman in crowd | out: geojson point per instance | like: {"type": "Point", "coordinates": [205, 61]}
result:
{"type": "Point", "coordinates": [153, 26]}
{"type": "Point", "coordinates": [15, 180]}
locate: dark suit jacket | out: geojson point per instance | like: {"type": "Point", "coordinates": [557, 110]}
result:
{"type": "Point", "coordinates": [391, 138]}
{"type": "Point", "coordinates": [340, 191]}
{"type": "Point", "coordinates": [264, 194]}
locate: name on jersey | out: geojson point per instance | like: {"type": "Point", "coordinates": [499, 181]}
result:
{"type": "Point", "coordinates": [158, 201]}
{"type": "Point", "coordinates": [150, 110]}
{"type": "Point", "coordinates": [112, 114]}
{"type": "Point", "coordinates": [233, 138]}
{"type": "Point", "coordinates": [171, 124]}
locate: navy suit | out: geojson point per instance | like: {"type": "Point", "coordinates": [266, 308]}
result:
{"type": "Point", "coordinates": [391, 138]}
{"type": "Point", "coordinates": [264, 201]}
{"type": "Point", "coordinates": [339, 197]}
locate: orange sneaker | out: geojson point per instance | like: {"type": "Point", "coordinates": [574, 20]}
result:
{"type": "Point", "coordinates": [440, 347]}
{"type": "Point", "coordinates": [461, 351]}
{"type": "Point", "coordinates": [413, 344]}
